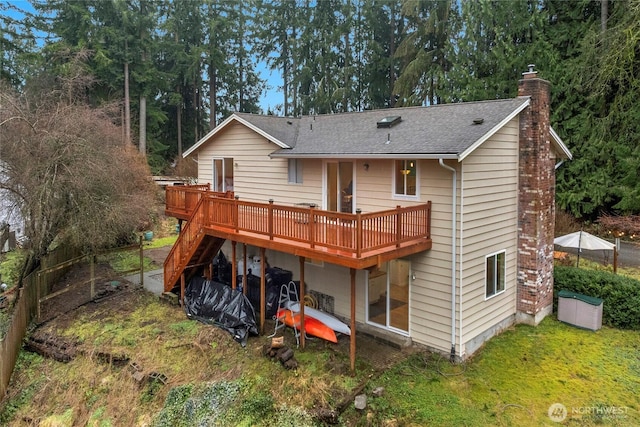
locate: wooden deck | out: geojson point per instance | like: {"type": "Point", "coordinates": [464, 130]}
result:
{"type": "Point", "coordinates": [359, 241]}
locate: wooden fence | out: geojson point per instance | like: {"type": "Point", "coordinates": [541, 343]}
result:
{"type": "Point", "coordinates": [24, 310]}
{"type": "Point", "coordinates": [36, 288]}
{"type": "Point", "coordinates": [10, 345]}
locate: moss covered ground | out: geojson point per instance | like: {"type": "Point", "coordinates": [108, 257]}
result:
{"type": "Point", "coordinates": [209, 379]}
{"type": "Point", "coordinates": [196, 374]}
{"type": "Point", "coordinates": [517, 376]}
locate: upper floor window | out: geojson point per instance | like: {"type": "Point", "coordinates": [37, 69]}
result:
{"type": "Point", "coordinates": [495, 273]}
{"type": "Point", "coordinates": [295, 171]}
{"type": "Point", "coordinates": [405, 177]}
{"type": "Point", "coordinates": [223, 174]}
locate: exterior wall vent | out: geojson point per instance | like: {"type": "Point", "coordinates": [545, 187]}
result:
{"type": "Point", "coordinates": [389, 121]}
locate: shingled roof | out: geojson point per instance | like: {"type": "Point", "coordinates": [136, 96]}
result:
{"type": "Point", "coordinates": [439, 131]}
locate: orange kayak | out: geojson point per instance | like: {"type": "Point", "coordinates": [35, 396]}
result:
{"type": "Point", "coordinates": [312, 326]}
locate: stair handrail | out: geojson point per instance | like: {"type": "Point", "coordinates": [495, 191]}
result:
{"type": "Point", "coordinates": [195, 220]}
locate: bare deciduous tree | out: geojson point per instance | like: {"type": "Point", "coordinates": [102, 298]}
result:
{"type": "Point", "coordinates": [64, 166]}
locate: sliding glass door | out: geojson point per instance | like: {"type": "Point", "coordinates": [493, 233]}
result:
{"type": "Point", "coordinates": [339, 187]}
{"type": "Point", "coordinates": [388, 295]}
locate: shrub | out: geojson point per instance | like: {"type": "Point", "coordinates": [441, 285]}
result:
{"type": "Point", "coordinates": [621, 294]}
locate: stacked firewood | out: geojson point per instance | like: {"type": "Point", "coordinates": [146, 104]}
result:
{"type": "Point", "coordinates": [277, 350]}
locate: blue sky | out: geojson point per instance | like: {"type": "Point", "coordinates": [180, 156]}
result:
{"type": "Point", "coordinates": [272, 97]}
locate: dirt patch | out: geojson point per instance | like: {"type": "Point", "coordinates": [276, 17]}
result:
{"type": "Point", "coordinates": [158, 255]}
{"type": "Point", "coordinates": [75, 289]}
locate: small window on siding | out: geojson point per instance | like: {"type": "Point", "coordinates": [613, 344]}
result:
{"type": "Point", "coordinates": [495, 273]}
{"type": "Point", "coordinates": [406, 177]}
{"type": "Point", "coordinates": [295, 171]}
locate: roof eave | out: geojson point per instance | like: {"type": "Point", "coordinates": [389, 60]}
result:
{"type": "Point", "coordinates": [426, 156]}
{"type": "Point", "coordinates": [493, 130]}
{"type": "Point", "coordinates": [561, 147]}
{"type": "Point", "coordinates": [225, 123]}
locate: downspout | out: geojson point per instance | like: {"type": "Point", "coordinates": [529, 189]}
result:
{"type": "Point", "coordinates": [460, 258]}
{"type": "Point", "coordinates": [452, 356]}
{"type": "Point", "coordinates": [559, 164]}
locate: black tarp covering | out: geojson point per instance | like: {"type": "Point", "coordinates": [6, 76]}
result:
{"type": "Point", "coordinates": [275, 277]}
{"type": "Point", "coordinates": [217, 304]}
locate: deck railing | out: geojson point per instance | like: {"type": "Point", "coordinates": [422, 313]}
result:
{"type": "Point", "coordinates": [351, 233]}
{"type": "Point", "coordinates": [184, 198]}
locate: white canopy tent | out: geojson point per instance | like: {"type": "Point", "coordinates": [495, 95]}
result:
{"type": "Point", "coordinates": [583, 240]}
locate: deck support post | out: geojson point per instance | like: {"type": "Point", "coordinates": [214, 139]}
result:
{"type": "Point", "coordinates": [244, 269]}
{"type": "Point", "coordinates": [352, 342]}
{"type": "Point", "coordinates": [263, 280]}
{"type": "Point", "coordinates": [182, 285]}
{"type": "Point", "coordinates": [302, 291]}
{"type": "Point", "coordinates": [141, 263]}
{"type": "Point", "coordinates": [234, 265]}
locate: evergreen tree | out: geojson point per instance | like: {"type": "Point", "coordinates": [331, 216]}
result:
{"type": "Point", "coordinates": [604, 128]}
{"type": "Point", "coordinates": [426, 52]}
{"type": "Point", "coordinates": [382, 32]}
{"type": "Point", "coordinates": [276, 23]}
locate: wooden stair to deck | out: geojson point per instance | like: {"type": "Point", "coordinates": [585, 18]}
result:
{"type": "Point", "coordinates": [193, 249]}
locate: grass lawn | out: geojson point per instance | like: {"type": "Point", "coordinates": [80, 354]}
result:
{"type": "Point", "coordinates": [512, 381]}
{"type": "Point", "coordinates": [211, 380]}
{"type": "Point", "coordinates": [516, 377]}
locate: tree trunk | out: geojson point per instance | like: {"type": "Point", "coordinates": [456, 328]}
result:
{"type": "Point", "coordinates": [200, 102]}
{"type": "Point", "coordinates": [392, 51]}
{"type": "Point", "coordinates": [604, 14]}
{"type": "Point", "coordinates": [179, 128]}
{"type": "Point", "coordinates": [241, 82]}
{"type": "Point", "coordinates": [347, 64]}
{"type": "Point", "coordinates": [285, 75]}
{"type": "Point", "coordinates": [195, 114]}
{"type": "Point", "coordinates": [127, 105]}
{"type": "Point", "coordinates": [212, 95]}
{"type": "Point", "coordinates": [294, 95]}
{"type": "Point", "coordinates": [143, 126]}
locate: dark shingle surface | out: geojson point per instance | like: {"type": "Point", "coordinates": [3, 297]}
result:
{"type": "Point", "coordinates": [439, 129]}
{"type": "Point", "coordinates": [282, 128]}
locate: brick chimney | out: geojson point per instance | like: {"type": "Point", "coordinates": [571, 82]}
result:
{"type": "Point", "coordinates": [536, 204]}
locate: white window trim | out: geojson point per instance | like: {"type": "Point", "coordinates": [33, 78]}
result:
{"type": "Point", "coordinates": [353, 183]}
{"type": "Point", "coordinates": [214, 177]}
{"type": "Point", "coordinates": [504, 267]}
{"type": "Point", "coordinates": [397, 331]}
{"type": "Point", "coordinates": [395, 196]}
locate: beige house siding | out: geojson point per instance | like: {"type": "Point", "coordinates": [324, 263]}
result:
{"type": "Point", "coordinates": [430, 298]}
{"type": "Point", "coordinates": [430, 322]}
{"type": "Point", "coordinates": [257, 177]}
{"type": "Point", "coordinates": [490, 187]}
{"type": "Point", "coordinates": [488, 182]}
